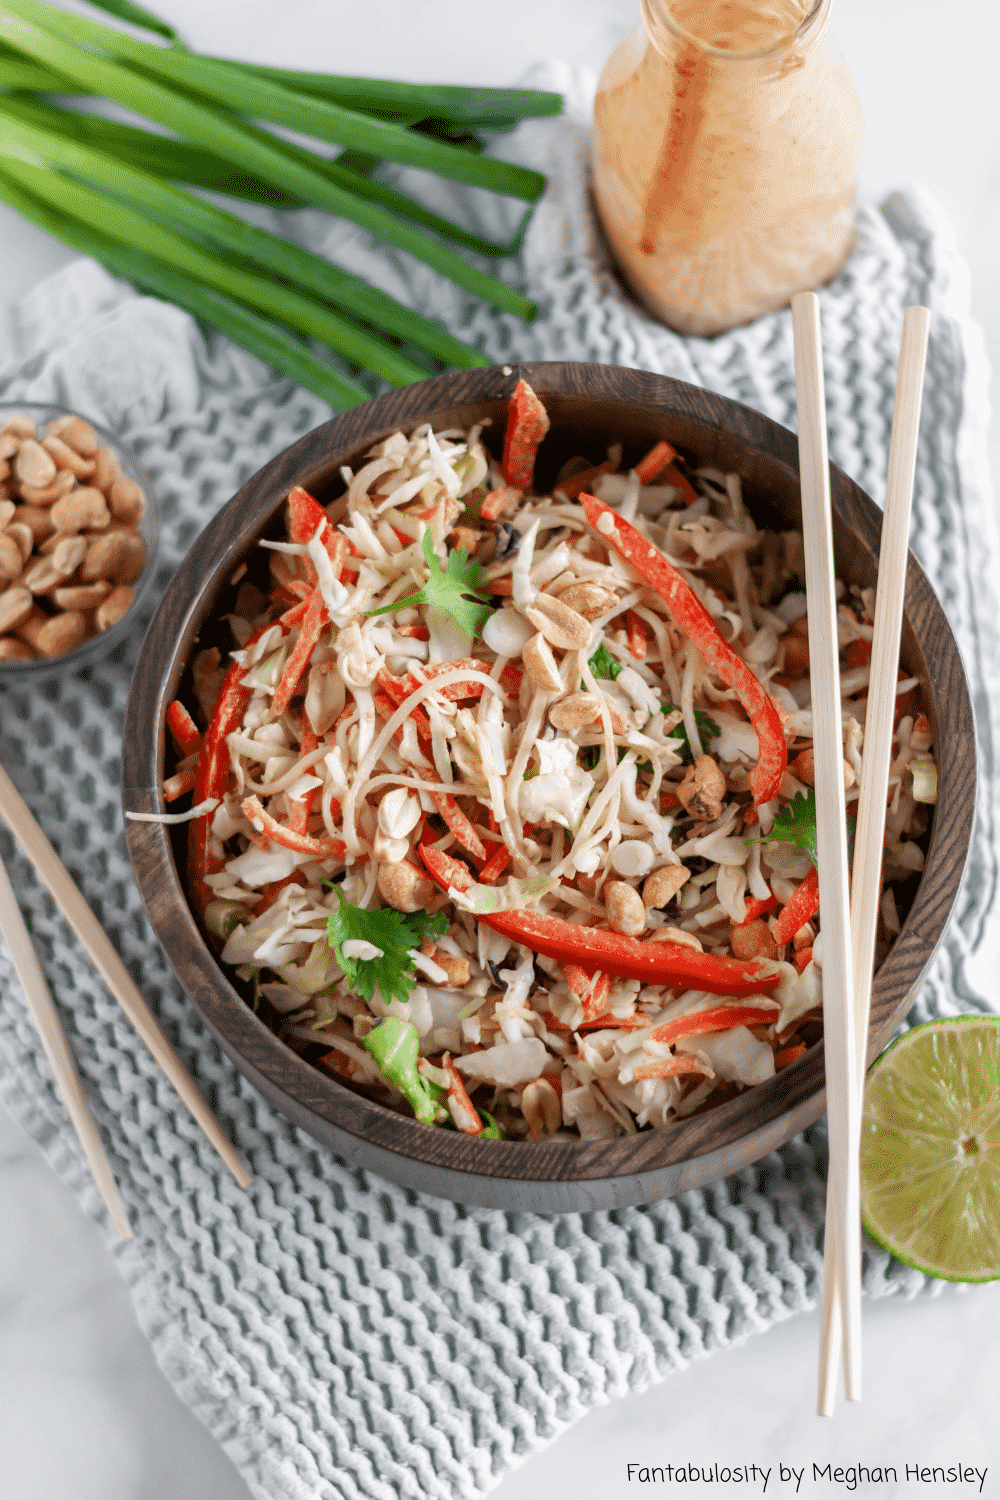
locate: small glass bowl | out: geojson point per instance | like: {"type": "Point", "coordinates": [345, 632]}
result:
{"type": "Point", "coordinates": [102, 644]}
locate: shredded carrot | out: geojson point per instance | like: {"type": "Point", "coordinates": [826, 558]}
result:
{"type": "Point", "coordinates": [175, 786]}
{"type": "Point", "coordinates": [669, 1067]}
{"type": "Point", "coordinates": [498, 502]}
{"type": "Point", "coordinates": [788, 1055]}
{"type": "Point", "coordinates": [185, 732]}
{"type": "Point", "coordinates": [280, 833]}
{"type": "Point", "coordinates": [495, 865]}
{"type": "Point", "coordinates": [315, 618]}
{"type": "Point", "coordinates": [652, 466]}
{"type": "Point", "coordinates": [638, 640]}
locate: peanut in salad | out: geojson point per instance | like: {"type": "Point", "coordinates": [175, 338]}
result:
{"type": "Point", "coordinates": [503, 805]}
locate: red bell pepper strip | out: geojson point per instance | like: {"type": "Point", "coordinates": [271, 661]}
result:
{"type": "Point", "coordinates": [212, 771]}
{"type": "Point", "coordinates": [497, 502]}
{"type": "Point", "coordinates": [400, 688]}
{"type": "Point", "coordinates": [756, 906]}
{"type": "Point", "coordinates": [271, 892]}
{"type": "Point", "coordinates": [186, 734]}
{"type": "Point", "coordinates": [797, 911]}
{"type": "Point", "coordinates": [527, 424]}
{"type": "Point", "coordinates": [718, 1018]}
{"type": "Point", "coordinates": [672, 964]}
{"type": "Point", "coordinates": [608, 1022]}
{"type": "Point", "coordinates": [803, 958]}
{"type": "Point", "coordinates": [591, 989]}
{"type": "Point", "coordinates": [495, 865]}
{"type": "Point", "coordinates": [280, 833]}
{"type": "Point", "coordinates": [315, 618]}
{"type": "Point", "coordinates": [696, 622]}
{"type": "Point", "coordinates": [788, 1055]}
{"type": "Point", "coordinates": [305, 517]}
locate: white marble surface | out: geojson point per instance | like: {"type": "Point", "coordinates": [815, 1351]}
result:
{"type": "Point", "coordinates": [84, 1412]}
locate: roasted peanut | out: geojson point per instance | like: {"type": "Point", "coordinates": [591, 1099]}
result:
{"type": "Point", "coordinates": [128, 504]}
{"type": "Point", "coordinates": [38, 519]}
{"type": "Point", "coordinates": [51, 635]}
{"type": "Point", "coordinates": [752, 940]}
{"type": "Point", "coordinates": [16, 605]}
{"type": "Point", "coordinates": [22, 535]}
{"type": "Point", "coordinates": [703, 789]}
{"type": "Point", "coordinates": [68, 555]}
{"type": "Point", "coordinates": [76, 433]}
{"type": "Point", "coordinates": [7, 509]}
{"type": "Point", "coordinates": [83, 508]}
{"type": "Point", "coordinates": [662, 885]}
{"type": "Point", "coordinates": [15, 650]}
{"type": "Point", "coordinates": [558, 623]}
{"type": "Point", "coordinates": [575, 711]}
{"type": "Point", "coordinates": [33, 465]}
{"type": "Point", "coordinates": [81, 595]}
{"type": "Point", "coordinates": [457, 969]}
{"type": "Point", "coordinates": [10, 442]}
{"type": "Point", "coordinates": [588, 599]}
{"type": "Point", "coordinates": [11, 561]}
{"type": "Point", "coordinates": [64, 457]}
{"type": "Point", "coordinates": [540, 665]}
{"type": "Point", "coordinates": [117, 604]}
{"type": "Point", "coordinates": [106, 469]}
{"type": "Point", "coordinates": [677, 935]}
{"type": "Point", "coordinates": [623, 904]}
{"type": "Point", "coordinates": [404, 886]}
{"type": "Point", "coordinates": [19, 428]}
{"type": "Point", "coordinates": [119, 555]}
{"type": "Point", "coordinates": [804, 767]}
{"type": "Point", "coordinates": [541, 1106]}
{"type": "Point", "coordinates": [34, 494]}
{"type": "Point", "coordinates": [796, 654]}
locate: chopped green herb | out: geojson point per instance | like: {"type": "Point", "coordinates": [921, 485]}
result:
{"type": "Point", "coordinates": [707, 730]}
{"type": "Point", "coordinates": [603, 664]}
{"type": "Point", "coordinates": [795, 825]}
{"type": "Point", "coordinates": [448, 588]}
{"type": "Point", "coordinates": [395, 933]}
{"type": "Point", "coordinates": [492, 1131]}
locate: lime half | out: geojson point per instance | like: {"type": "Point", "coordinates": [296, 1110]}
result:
{"type": "Point", "coordinates": [930, 1149]}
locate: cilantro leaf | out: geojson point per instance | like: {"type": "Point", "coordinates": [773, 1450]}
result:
{"type": "Point", "coordinates": [394, 932]}
{"type": "Point", "coordinates": [707, 730]}
{"type": "Point", "coordinates": [603, 664]}
{"type": "Point", "coordinates": [795, 825]}
{"type": "Point", "coordinates": [447, 588]}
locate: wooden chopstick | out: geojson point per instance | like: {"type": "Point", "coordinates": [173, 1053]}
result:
{"type": "Point", "coordinates": [78, 914]}
{"type": "Point", "coordinates": [879, 724]}
{"type": "Point", "coordinates": [843, 1226]}
{"type": "Point", "coordinates": [42, 1009]}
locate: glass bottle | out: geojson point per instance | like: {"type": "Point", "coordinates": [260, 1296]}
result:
{"type": "Point", "coordinates": [727, 135]}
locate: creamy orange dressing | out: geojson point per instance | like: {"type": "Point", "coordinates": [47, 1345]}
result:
{"type": "Point", "coordinates": [726, 145]}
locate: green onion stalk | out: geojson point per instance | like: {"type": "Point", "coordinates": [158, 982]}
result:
{"type": "Point", "coordinates": [130, 197]}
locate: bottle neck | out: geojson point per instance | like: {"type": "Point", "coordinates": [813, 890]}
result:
{"type": "Point", "coordinates": [737, 33]}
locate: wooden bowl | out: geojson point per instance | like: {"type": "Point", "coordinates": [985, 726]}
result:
{"type": "Point", "coordinates": [590, 406]}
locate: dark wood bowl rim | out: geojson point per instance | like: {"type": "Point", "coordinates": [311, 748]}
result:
{"type": "Point", "coordinates": [690, 1152]}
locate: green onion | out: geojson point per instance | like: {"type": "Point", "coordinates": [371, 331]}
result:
{"type": "Point", "coordinates": [263, 294]}
{"type": "Point", "coordinates": [269, 341]}
{"type": "Point", "coordinates": [205, 127]}
{"type": "Point", "coordinates": [193, 216]}
{"type": "Point", "coordinates": [157, 154]}
{"type": "Point", "coordinates": [281, 106]}
{"type": "Point", "coordinates": [475, 107]}
{"type": "Point", "coordinates": [136, 16]}
{"type": "Point", "coordinates": [15, 73]}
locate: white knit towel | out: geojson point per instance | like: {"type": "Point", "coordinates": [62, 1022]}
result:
{"type": "Point", "coordinates": [340, 1336]}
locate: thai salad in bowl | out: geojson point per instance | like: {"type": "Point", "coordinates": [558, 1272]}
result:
{"type": "Point", "coordinates": [502, 803]}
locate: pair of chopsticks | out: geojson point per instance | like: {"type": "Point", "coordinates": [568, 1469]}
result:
{"type": "Point", "coordinates": [849, 921]}
{"type": "Point", "coordinates": [43, 1011]}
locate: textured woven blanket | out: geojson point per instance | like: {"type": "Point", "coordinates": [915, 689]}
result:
{"type": "Point", "coordinates": [340, 1336]}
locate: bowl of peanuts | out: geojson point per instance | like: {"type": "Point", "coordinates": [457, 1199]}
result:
{"type": "Point", "coordinates": [191, 717]}
{"type": "Point", "coordinates": [78, 540]}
